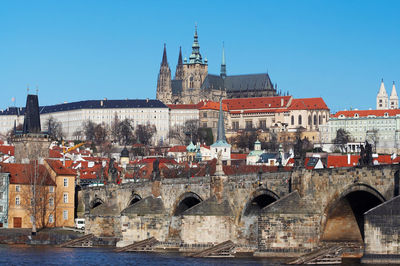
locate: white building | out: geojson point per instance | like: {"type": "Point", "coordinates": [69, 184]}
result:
{"type": "Point", "coordinates": [376, 126]}
{"type": "Point", "coordinates": [72, 115]}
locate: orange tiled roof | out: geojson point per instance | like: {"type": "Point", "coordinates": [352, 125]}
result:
{"type": "Point", "coordinates": [55, 154]}
{"type": "Point", "coordinates": [342, 161]}
{"type": "Point", "coordinates": [257, 103]}
{"type": "Point", "coordinates": [214, 106]}
{"type": "Point", "coordinates": [179, 148]}
{"type": "Point", "coordinates": [238, 156]}
{"type": "Point", "coordinates": [59, 168]}
{"type": "Point", "coordinates": [7, 149]}
{"type": "Point", "coordinates": [308, 104]}
{"type": "Point", "coordinates": [365, 113]}
{"type": "Point", "coordinates": [24, 173]}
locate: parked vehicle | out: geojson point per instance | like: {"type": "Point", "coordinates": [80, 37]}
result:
{"type": "Point", "coordinates": [80, 223]}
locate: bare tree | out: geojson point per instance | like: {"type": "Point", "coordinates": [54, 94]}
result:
{"type": "Point", "coordinates": [54, 128]}
{"type": "Point", "coordinates": [114, 130]}
{"type": "Point", "coordinates": [125, 132]}
{"type": "Point", "coordinates": [100, 134]}
{"type": "Point", "coordinates": [88, 130]}
{"type": "Point", "coordinates": [342, 138]}
{"type": "Point", "coordinates": [186, 133]}
{"type": "Point", "coordinates": [372, 136]}
{"type": "Point", "coordinates": [144, 133]}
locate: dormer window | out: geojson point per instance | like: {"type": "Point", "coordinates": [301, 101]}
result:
{"type": "Point", "coordinates": [341, 116]}
{"type": "Point", "coordinates": [386, 114]}
{"type": "Point", "coordinates": [356, 116]}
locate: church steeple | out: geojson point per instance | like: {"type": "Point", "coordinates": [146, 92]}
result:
{"type": "Point", "coordinates": [382, 98]}
{"type": "Point", "coordinates": [221, 127]}
{"type": "Point", "coordinates": [164, 90]}
{"type": "Point", "coordinates": [223, 63]}
{"type": "Point", "coordinates": [164, 61]}
{"type": "Point", "coordinates": [394, 99]}
{"type": "Point", "coordinates": [195, 57]}
{"type": "Point", "coordinates": [179, 73]}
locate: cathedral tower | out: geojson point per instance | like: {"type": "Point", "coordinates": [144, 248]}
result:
{"type": "Point", "coordinates": [394, 99]}
{"type": "Point", "coordinates": [382, 98]}
{"type": "Point", "coordinates": [223, 63]}
{"type": "Point", "coordinates": [164, 90]}
{"type": "Point", "coordinates": [195, 71]}
{"type": "Point", "coordinates": [179, 73]}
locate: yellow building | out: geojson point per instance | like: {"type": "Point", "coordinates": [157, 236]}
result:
{"type": "Point", "coordinates": [49, 197]}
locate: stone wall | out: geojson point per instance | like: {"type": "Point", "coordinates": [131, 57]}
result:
{"type": "Point", "coordinates": [288, 227]}
{"type": "Point", "coordinates": [382, 233]}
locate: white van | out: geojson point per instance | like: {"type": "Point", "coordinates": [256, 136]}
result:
{"type": "Point", "coordinates": [80, 223]}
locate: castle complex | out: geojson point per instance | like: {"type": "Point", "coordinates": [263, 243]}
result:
{"type": "Point", "coordinates": [193, 84]}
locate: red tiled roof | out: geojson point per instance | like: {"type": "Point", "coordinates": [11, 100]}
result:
{"type": "Point", "coordinates": [261, 111]}
{"type": "Point", "coordinates": [365, 113]}
{"type": "Point", "coordinates": [179, 148]}
{"type": "Point", "coordinates": [24, 173]}
{"type": "Point", "coordinates": [7, 149]}
{"type": "Point", "coordinates": [59, 168]}
{"type": "Point", "coordinates": [257, 103]}
{"type": "Point", "coordinates": [308, 104]}
{"type": "Point", "coordinates": [341, 161]}
{"type": "Point", "coordinates": [238, 156]}
{"type": "Point", "coordinates": [214, 106]}
{"type": "Point", "coordinates": [55, 154]}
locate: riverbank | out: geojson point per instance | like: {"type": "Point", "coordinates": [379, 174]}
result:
{"type": "Point", "coordinates": [47, 236]}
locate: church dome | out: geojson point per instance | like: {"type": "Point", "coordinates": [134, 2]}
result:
{"type": "Point", "coordinates": [125, 152]}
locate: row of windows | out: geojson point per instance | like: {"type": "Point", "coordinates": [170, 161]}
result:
{"type": "Point", "coordinates": [51, 200]}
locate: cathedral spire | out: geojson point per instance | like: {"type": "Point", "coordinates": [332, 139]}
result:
{"type": "Point", "coordinates": [180, 56]}
{"type": "Point", "coordinates": [382, 98]}
{"type": "Point", "coordinates": [164, 61]}
{"type": "Point", "coordinates": [394, 99]}
{"type": "Point", "coordinates": [221, 128]}
{"type": "Point", "coordinates": [195, 57]}
{"type": "Point", "coordinates": [223, 63]}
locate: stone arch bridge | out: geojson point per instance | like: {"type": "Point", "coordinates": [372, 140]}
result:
{"type": "Point", "coordinates": [274, 213]}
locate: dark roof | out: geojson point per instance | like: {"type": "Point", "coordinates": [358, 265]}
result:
{"type": "Point", "coordinates": [89, 104]}
{"type": "Point", "coordinates": [32, 117]}
{"type": "Point", "coordinates": [258, 82]}
{"type": "Point", "coordinates": [176, 86]}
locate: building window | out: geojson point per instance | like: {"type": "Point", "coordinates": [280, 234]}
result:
{"type": "Point", "coordinates": [51, 201]}
{"type": "Point", "coordinates": [309, 120]}
{"type": "Point", "coordinates": [65, 215]}
{"type": "Point", "coordinates": [65, 182]}
{"type": "Point", "coordinates": [204, 125]}
{"type": "Point", "coordinates": [319, 120]}
{"type": "Point", "coordinates": [204, 114]}
{"type": "Point", "coordinates": [249, 124]}
{"type": "Point", "coordinates": [292, 120]}
{"type": "Point", "coordinates": [51, 219]}
{"type": "Point", "coordinates": [17, 201]}
{"type": "Point", "coordinates": [1, 208]}
{"type": "Point", "coordinates": [65, 198]}
{"type": "Point", "coordinates": [300, 122]}
{"type": "Point", "coordinates": [315, 120]}
{"type": "Point", "coordinates": [263, 124]}
{"type": "Point", "coordinates": [51, 189]}
{"type": "Point", "coordinates": [235, 125]}
{"type": "Point", "coordinates": [17, 188]}
{"type": "Point", "coordinates": [1, 195]}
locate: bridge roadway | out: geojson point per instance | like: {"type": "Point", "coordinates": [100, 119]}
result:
{"type": "Point", "coordinates": [275, 213]}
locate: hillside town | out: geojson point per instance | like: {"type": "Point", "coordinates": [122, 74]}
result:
{"type": "Point", "coordinates": [199, 125]}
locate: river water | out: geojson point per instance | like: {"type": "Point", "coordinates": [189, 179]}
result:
{"type": "Point", "coordinates": [28, 255]}
{"type": "Point", "coordinates": [45, 255]}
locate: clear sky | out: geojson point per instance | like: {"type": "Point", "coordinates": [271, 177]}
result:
{"type": "Point", "coordinates": [80, 50]}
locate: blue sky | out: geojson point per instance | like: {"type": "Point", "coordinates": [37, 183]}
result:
{"type": "Point", "coordinates": [78, 50]}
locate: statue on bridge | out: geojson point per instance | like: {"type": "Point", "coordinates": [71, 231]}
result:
{"type": "Point", "coordinates": [156, 170]}
{"type": "Point", "coordinates": [112, 171]}
{"type": "Point", "coordinates": [366, 155]}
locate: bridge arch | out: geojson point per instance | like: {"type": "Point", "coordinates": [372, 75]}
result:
{"type": "Point", "coordinates": [133, 199]}
{"type": "Point", "coordinates": [185, 201]}
{"type": "Point", "coordinates": [96, 202]}
{"type": "Point", "coordinates": [258, 200]}
{"type": "Point", "coordinates": [343, 218]}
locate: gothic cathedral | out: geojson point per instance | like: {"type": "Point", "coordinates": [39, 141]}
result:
{"type": "Point", "coordinates": [193, 84]}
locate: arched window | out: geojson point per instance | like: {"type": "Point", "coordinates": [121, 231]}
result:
{"type": "Point", "coordinates": [300, 122]}
{"type": "Point", "coordinates": [309, 120]}
{"type": "Point", "coordinates": [292, 120]}
{"type": "Point", "coordinates": [315, 120]}
{"type": "Point", "coordinates": [319, 119]}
